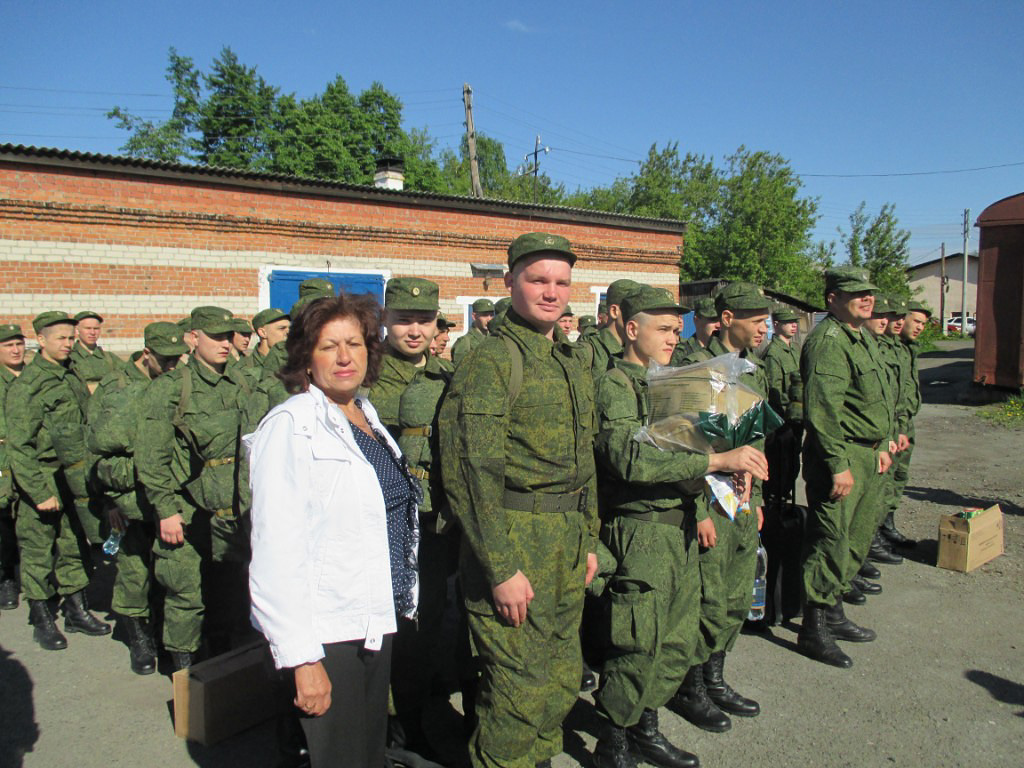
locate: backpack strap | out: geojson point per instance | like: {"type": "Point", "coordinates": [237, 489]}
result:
{"type": "Point", "coordinates": [515, 382]}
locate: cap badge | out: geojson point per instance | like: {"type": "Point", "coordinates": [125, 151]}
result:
{"type": "Point", "coordinates": [415, 290]}
{"type": "Point", "coordinates": [549, 241]}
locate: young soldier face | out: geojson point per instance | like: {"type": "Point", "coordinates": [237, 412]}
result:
{"type": "Point", "coordinates": [787, 330]}
{"type": "Point", "coordinates": [440, 343]}
{"type": "Point", "coordinates": [156, 365]}
{"type": "Point", "coordinates": [567, 324]}
{"type": "Point", "coordinates": [240, 341]}
{"type": "Point", "coordinates": [89, 331]}
{"type": "Point", "coordinates": [276, 331]}
{"type": "Point", "coordinates": [55, 342]}
{"type": "Point", "coordinates": [746, 329]}
{"type": "Point", "coordinates": [654, 335]}
{"type": "Point", "coordinates": [482, 320]}
{"type": "Point", "coordinates": [915, 322]}
{"type": "Point", "coordinates": [540, 290]}
{"type": "Point", "coordinates": [877, 324]}
{"type": "Point", "coordinates": [213, 348]}
{"type": "Point", "coordinates": [410, 331]}
{"type": "Point", "coordinates": [339, 359]}
{"type": "Point", "coordinates": [704, 327]}
{"type": "Point", "coordinates": [895, 325]}
{"type": "Point", "coordinates": [12, 352]}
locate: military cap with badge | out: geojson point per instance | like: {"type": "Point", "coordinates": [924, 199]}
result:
{"type": "Point", "coordinates": [165, 339]}
{"type": "Point", "coordinates": [539, 243]}
{"type": "Point", "coordinates": [213, 320]}
{"type": "Point", "coordinates": [10, 331]}
{"type": "Point", "coordinates": [267, 316]}
{"type": "Point", "coordinates": [46, 319]}
{"type": "Point", "coordinates": [849, 279]}
{"type": "Point", "coordinates": [412, 293]}
{"type": "Point", "coordinates": [741, 296]}
{"type": "Point", "coordinates": [648, 298]}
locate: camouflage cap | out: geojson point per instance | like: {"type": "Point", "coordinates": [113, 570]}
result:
{"type": "Point", "coordinates": [316, 285]}
{"type": "Point", "coordinates": [87, 313]}
{"type": "Point", "coordinates": [567, 312]}
{"type": "Point", "coordinates": [411, 293]}
{"type": "Point", "coordinates": [898, 305]}
{"type": "Point", "coordinates": [271, 315]}
{"type": "Point", "coordinates": [212, 320]}
{"type": "Point", "coordinates": [705, 308]}
{"type": "Point", "coordinates": [242, 325]}
{"type": "Point", "coordinates": [741, 296]}
{"type": "Point", "coordinates": [304, 301]}
{"type": "Point", "coordinates": [165, 339]}
{"type": "Point", "coordinates": [185, 323]}
{"type": "Point", "coordinates": [502, 304]}
{"type": "Point", "coordinates": [483, 306]}
{"type": "Point", "coordinates": [46, 319]}
{"type": "Point", "coordinates": [587, 321]}
{"type": "Point", "coordinates": [881, 305]}
{"type": "Point", "coordinates": [443, 323]}
{"type": "Point", "coordinates": [785, 315]}
{"type": "Point", "coordinates": [916, 305]}
{"type": "Point", "coordinates": [650, 299]}
{"type": "Point", "coordinates": [10, 331]}
{"type": "Point", "coordinates": [619, 290]}
{"type": "Point", "coordinates": [535, 243]}
{"type": "Point", "coordinates": [602, 308]}
{"type": "Point", "coordinates": [848, 279]}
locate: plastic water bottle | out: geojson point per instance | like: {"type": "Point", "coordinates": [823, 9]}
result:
{"type": "Point", "coordinates": [113, 543]}
{"type": "Point", "coordinates": [760, 584]}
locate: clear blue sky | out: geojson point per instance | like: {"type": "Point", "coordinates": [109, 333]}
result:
{"type": "Point", "coordinates": [859, 88]}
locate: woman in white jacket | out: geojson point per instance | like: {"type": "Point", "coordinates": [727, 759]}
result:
{"type": "Point", "coordinates": [334, 533]}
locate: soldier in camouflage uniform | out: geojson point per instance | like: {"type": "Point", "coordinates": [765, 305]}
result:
{"type": "Point", "coordinates": [483, 314]}
{"type": "Point", "coordinates": [88, 359]}
{"type": "Point", "coordinates": [518, 465]}
{"type": "Point", "coordinates": [651, 523]}
{"type": "Point", "coordinates": [607, 344]}
{"type": "Point", "coordinates": [567, 322]}
{"type": "Point", "coordinates": [602, 314]}
{"type": "Point", "coordinates": [12, 363]}
{"type": "Point", "coordinates": [271, 326]}
{"type": "Point", "coordinates": [849, 425]}
{"type": "Point", "coordinates": [727, 567]}
{"type": "Point", "coordinates": [240, 343]}
{"type": "Point", "coordinates": [440, 342]}
{"type": "Point", "coordinates": [188, 459]}
{"type": "Point", "coordinates": [46, 447]}
{"type": "Point", "coordinates": [114, 418]}
{"type": "Point", "coordinates": [705, 323]}
{"type": "Point", "coordinates": [588, 326]}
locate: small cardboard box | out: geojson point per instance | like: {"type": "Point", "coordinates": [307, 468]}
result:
{"type": "Point", "coordinates": [225, 695]}
{"type": "Point", "coordinates": [966, 544]}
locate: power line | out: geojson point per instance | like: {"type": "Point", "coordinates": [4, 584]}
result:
{"type": "Point", "coordinates": [909, 173]}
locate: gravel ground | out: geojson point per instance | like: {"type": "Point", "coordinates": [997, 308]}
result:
{"type": "Point", "coordinates": [942, 686]}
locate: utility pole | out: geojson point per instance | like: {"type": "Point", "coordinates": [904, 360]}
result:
{"type": "Point", "coordinates": [474, 170]}
{"type": "Point", "coordinates": [942, 291]}
{"type": "Point", "coordinates": [963, 298]}
{"type": "Point", "coordinates": [536, 163]}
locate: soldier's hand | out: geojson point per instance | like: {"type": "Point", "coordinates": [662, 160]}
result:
{"type": "Point", "coordinates": [512, 597]}
{"type": "Point", "coordinates": [884, 462]}
{"type": "Point", "coordinates": [744, 485]}
{"type": "Point", "coordinates": [591, 568]}
{"type": "Point", "coordinates": [902, 443]}
{"type": "Point", "coordinates": [312, 689]}
{"type": "Point", "coordinates": [746, 458]}
{"type": "Point", "coordinates": [707, 536]}
{"type": "Point", "coordinates": [52, 504]}
{"type": "Point", "coordinates": [172, 531]}
{"type": "Point", "coordinates": [893, 447]}
{"type": "Point", "coordinates": [842, 484]}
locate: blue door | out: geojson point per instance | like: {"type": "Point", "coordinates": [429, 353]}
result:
{"type": "Point", "coordinates": [284, 285]}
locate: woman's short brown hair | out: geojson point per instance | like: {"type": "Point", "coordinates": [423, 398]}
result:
{"type": "Point", "coordinates": [308, 325]}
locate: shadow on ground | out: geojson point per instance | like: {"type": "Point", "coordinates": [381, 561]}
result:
{"type": "Point", "coordinates": [950, 498]}
{"type": "Point", "coordinates": [1000, 688]}
{"type": "Point", "coordinates": [17, 711]}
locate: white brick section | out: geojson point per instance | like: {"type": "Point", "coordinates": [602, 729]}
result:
{"type": "Point", "coordinates": [122, 304]}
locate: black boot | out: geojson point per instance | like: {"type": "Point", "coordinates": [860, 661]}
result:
{"type": "Point", "coordinates": [652, 745]}
{"type": "Point", "coordinates": [854, 596]}
{"type": "Point", "coordinates": [880, 552]}
{"type": "Point", "coordinates": [181, 660]}
{"type": "Point", "coordinates": [691, 701]}
{"type": "Point", "coordinates": [8, 593]}
{"type": "Point", "coordinates": [612, 749]}
{"type": "Point", "coordinates": [841, 628]}
{"type": "Point", "coordinates": [816, 642]}
{"type": "Point", "coordinates": [141, 648]}
{"type": "Point", "coordinates": [78, 617]}
{"type": "Point", "coordinates": [892, 533]}
{"type": "Point", "coordinates": [866, 587]}
{"type": "Point", "coordinates": [868, 571]}
{"type": "Point", "coordinates": [722, 693]}
{"type": "Point", "coordinates": [45, 630]}
{"type": "Point", "coordinates": [589, 680]}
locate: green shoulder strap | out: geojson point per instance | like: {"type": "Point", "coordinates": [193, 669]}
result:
{"type": "Point", "coordinates": [178, 419]}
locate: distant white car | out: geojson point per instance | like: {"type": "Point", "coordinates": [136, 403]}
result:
{"type": "Point", "coordinates": [953, 324]}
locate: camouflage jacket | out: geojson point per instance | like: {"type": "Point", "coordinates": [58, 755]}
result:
{"type": "Point", "coordinates": [606, 349]}
{"type": "Point", "coordinates": [6, 484]}
{"type": "Point", "coordinates": [45, 413]}
{"type": "Point", "coordinates": [268, 391]}
{"type": "Point", "coordinates": [187, 453]}
{"type": "Point", "coordinates": [498, 445]}
{"type": "Point", "coordinates": [844, 401]}
{"type": "Point", "coordinates": [466, 344]}
{"type": "Point", "coordinates": [93, 366]}
{"type": "Point", "coordinates": [782, 372]}
{"type": "Point", "coordinates": [910, 382]}
{"type": "Point", "coordinates": [638, 477]}
{"type": "Point", "coordinates": [684, 349]}
{"type": "Point", "coordinates": [386, 393]}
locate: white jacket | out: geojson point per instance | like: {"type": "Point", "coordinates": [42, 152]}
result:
{"type": "Point", "coordinates": [320, 569]}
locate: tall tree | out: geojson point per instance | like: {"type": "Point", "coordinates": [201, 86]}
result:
{"type": "Point", "coordinates": [881, 245]}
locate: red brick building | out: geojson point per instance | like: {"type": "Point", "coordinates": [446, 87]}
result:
{"type": "Point", "coordinates": [139, 241]}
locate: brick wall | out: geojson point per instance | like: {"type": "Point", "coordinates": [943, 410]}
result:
{"type": "Point", "coordinates": [143, 243]}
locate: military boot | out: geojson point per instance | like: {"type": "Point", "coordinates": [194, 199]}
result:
{"type": "Point", "coordinates": [8, 594]}
{"type": "Point", "coordinates": [181, 660]}
{"type": "Point", "coordinates": [881, 553]}
{"type": "Point", "coordinates": [816, 642]}
{"type": "Point", "coordinates": [141, 648]}
{"type": "Point", "coordinates": [866, 587]}
{"type": "Point", "coordinates": [45, 630]}
{"type": "Point", "coordinates": [612, 749]}
{"type": "Point", "coordinates": [691, 701]}
{"type": "Point", "coordinates": [868, 571]}
{"type": "Point", "coordinates": [78, 617]}
{"type": "Point", "coordinates": [652, 745]}
{"type": "Point", "coordinates": [892, 533]}
{"type": "Point", "coordinates": [841, 628]}
{"type": "Point", "coordinates": [854, 596]}
{"type": "Point", "coordinates": [722, 693]}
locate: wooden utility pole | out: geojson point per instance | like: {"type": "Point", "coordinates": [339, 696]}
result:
{"type": "Point", "coordinates": [474, 170]}
{"type": "Point", "coordinates": [942, 290]}
{"type": "Point", "coordinates": [963, 299]}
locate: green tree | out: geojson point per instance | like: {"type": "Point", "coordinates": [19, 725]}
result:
{"type": "Point", "coordinates": [879, 244]}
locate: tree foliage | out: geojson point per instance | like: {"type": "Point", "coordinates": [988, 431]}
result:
{"type": "Point", "coordinates": [879, 244]}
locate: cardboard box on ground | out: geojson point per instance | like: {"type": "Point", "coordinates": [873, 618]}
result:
{"type": "Point", "coordinates": [968, 542]}
{"type": "Point", "coordinates": [228, 694]}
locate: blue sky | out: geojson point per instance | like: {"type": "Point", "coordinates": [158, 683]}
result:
{"type": "Point", "coordinates": [853, 94]}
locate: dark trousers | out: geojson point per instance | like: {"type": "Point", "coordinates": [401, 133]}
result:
{"type": "Point", "coordinates": [352, 732]}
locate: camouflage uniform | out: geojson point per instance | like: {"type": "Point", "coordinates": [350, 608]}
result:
{"type": "Point", "coordinates": [466, 343]}
{"type": "Point", "coordinates": [8, 494]}
{"type": "Point", "coordinates": [785, 396]}
{"type": "Point", "coordinates": [526, 503]}
{"type": "Point", "coordinates": [92, 365]}
{"type": "Point", "coordinates": [396, 373]}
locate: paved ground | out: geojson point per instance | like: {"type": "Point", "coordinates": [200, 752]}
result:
{"type": "Point", "coordinates": [942, 686]}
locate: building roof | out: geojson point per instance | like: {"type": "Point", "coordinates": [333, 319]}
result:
{"type": "Point", "coordinates": [1005, 212]}
{"type": "Point", "coordinates": [699, 288]}
{"type": "Point", "coordinates": [949, 257]}
{"type": "Point", "coordinates": [18, 153]}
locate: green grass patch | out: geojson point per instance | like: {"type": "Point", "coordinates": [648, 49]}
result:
{"type": "Point", "coordinates": [1009, 413]}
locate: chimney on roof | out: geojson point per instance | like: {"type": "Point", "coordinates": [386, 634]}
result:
{"type": "Point", "coordinates": [390, 174]}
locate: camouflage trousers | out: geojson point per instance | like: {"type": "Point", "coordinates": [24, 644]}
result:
{"type": "Point", "coordinates": [900, 475]}
{"type": "Point", "coordinates": [132, 580]}
{"type": "Point", "coordinates": [531, 673]}
{"type": "Point", "coordinates": [726, 582]}
{"type": "Point", "coordinates": [8, 540]}
{"type": "Point", "coordinates": [654, 606]}
{"type": "Point", "coordinates": [839, 531]}
{"type": "Point", "coordinates": [48, 544]}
